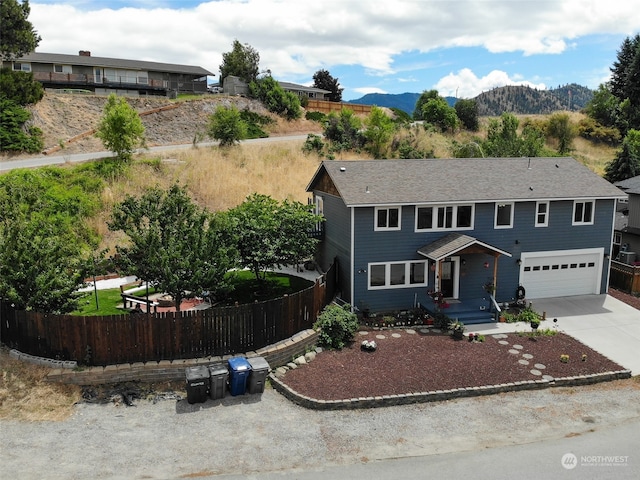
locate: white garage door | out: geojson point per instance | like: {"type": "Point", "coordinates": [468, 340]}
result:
{"type": "Point", "coordinates": [561, 274]}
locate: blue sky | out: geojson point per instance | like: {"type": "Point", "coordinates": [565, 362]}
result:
{"type": "Point", "coordinates": [371, 46]}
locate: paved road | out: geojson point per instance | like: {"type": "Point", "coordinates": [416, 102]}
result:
{"type": "Point", "coordinates": [43, 160]}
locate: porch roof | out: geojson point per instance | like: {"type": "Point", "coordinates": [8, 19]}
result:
{"type": "Point", "coordinates": [457, 243]}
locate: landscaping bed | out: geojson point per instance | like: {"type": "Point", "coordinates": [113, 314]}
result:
{"type": "Point", "coordinates": [406, 362]}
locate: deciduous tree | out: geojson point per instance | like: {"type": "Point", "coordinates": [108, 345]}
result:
{"type": "Point", "coordinates": [378, 132]}
{"type": "Point", "coordinates": [120, 128]}
{"type": "Point", "coordinates": [273, 234]}
{"type": "Point", "coordinates": [226, 126]}
{"type": "Point", "coordinates": [174, 244]}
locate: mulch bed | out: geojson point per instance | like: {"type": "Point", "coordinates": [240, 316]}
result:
{"type": "Point", "coordinates": [423, 362]}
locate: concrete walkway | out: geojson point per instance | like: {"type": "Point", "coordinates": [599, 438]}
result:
{"type": "Point", "coordinates": [601, 322]}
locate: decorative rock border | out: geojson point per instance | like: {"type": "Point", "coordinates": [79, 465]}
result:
{"type": "Point", "coordinates": [440, 395]}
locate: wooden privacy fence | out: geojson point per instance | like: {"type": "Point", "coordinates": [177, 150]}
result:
{"type": "Point", "coordinates": [624, 277]}
{"type": "Point", "coordinates": [142, 337]}
{"type": "Point", "coordinates": [325, 106]}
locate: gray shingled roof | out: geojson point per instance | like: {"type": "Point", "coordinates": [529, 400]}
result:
{"type": "Point", "coordinates": [630, 185]}
{"type": "Point", "coordinates": [303, 88]}
{"type": "Point", "coordinates": [386, 182]}
{"type": "Point", "coordinates": [64, 59]}
{"type": "Point", "coordinates": [451, 244]}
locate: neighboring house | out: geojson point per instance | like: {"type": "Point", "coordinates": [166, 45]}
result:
{"type": "Point", "coordinates": [402, 228]}
{"type": "Point", "coordinates": [111, 75]}
{"type": "Point", "coordinates": [233, 85]}
{"type": "Point", "coordinates": [626, 240]}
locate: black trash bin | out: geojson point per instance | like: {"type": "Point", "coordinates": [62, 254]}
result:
{"type": "Point", "coordinates": [197, 384]}
{"type": "Point", "coordinates": [239, 370]}
{"type": "Point", "coordinates": [257, 377]}
{"type": "Point", "coordinates": [218, 374]}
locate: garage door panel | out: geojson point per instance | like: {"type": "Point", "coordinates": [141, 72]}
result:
{"type": "Point", "coordinates": [560, 275]}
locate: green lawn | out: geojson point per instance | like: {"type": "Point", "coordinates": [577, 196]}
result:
{"type": "Point", "coordinates": [246, 290]}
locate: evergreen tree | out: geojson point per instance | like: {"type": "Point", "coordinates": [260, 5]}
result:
{"type": "Point", "coordinates": [626, 163]}
{"type": "Point", "coordinates": [620, 69]}
{"type": "Point", "coordinates": [323, 79]}
{"type": "Point", "coordinates": [242, 61]}
{"type": "Point", "coordinates": [18, 36]}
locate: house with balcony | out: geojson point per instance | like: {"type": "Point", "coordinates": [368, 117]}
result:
{"type": "Point", "coordinates": [627, 231]}
{"type": "Point", "coordinates": [103, 76]}
{"type": "Point", "coordinates": [471, 229]}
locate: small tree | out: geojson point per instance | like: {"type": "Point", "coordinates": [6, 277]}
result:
{"type": "Point", "coordinates": [323, 79]}
{"type": "Point", "coordinates": [120, 128]}
{"type": "Point", "coordinates": [424, 98]}
{"type": "Point", "coordinates": [275, 99]}
{"type": "Point", "coordinates": [242, 61]}
{"type": "Point", "coordinates": [337, 326]}
{"type": "Point", "coordinates": [559, 126]}
{"type": "Point", "coordinates": [20, 87]}
{"type": "Point", "coordinates": [467, 112]}
{"type": "Point", "coordinates": [12, 134]}
{"type": "Point", "coordinates": [226, 126]}
{"type": "Point", "coordinates": [379, 129]}
{"type": "Point", "coordinates": [343, 130]}
{"type": "Point", "coordinates": [437, 111]}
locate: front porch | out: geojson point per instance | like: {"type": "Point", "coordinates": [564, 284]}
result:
{"type": "Point", "coordinates": [468, 311]}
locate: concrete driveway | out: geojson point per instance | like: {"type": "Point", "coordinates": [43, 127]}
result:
{"type": "Point", "coordinates": [601, 322]}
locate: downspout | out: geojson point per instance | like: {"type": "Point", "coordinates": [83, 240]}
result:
{"type": "Point", "coordinates": [352, 264]}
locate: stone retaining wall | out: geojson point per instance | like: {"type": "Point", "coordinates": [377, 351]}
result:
{"type": "Point", "coordinates": [276, 355]}
{"type": "Point", "coordinates": [440, 395]}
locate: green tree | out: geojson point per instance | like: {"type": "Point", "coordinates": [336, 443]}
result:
{"type": "Point", "coordinates": [18, 36]}
{"type": "Point", "coordinates": [626, 163]}
{"type": "Point", "coordinates": [323, 79]}
{"type": "Point", "coordinates": [378, 132]}
{"type": "Point", "coordinates": [12, 133]}
{"type": "Point", "coordinates": [44, 237]}
{"type": "Point", "coordinates": [20, 87]}
{"type": "Point", "coordinates": [273, 234]}
{"type": "Point", "coordinates": [603, 107]}
{"type": "Point", "coordinates": [275, 99]}
{"type": "Point", "coordinates": [337, 325]}
{"type": "Point", "coordinates": [467, 112]}
{"type": "Point", "coordinates": [174, 244]}
{"type": "Point", "coordinates": [424, 98]}
{"type": "Point", "coordinates": [120, 128]}
{"type": "Point", "coordinates": [226, 126]}
{"type": "Point", "coordinates": [242, 61]}
{"type": "Point", "coordinates": [343, 130]}
{"type": "Point", "coordinates": [559, 127]}
{"type": "Point", "coordinates": [437, 111]}
{"type": "Point", "coordinates": [503, 139]}
{"type": "Point", "coordinates": [621, 68]}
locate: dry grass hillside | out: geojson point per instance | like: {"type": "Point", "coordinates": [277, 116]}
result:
{"type": "Point", "coordinates": [220, 179]}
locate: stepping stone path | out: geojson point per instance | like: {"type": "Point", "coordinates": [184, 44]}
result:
{"type": "Point", "coordinates": [395, 335]}
{"type": "Point", "coordinates": [424, 330]}
{"type": "Point", "coordinates": [515, 350]}
{"type": "Point", "coordinates": [380, 337]}
{"type": "Point", "coordinates": [410, 331]}
{"type": "Point", "coordinates": [362, 332]}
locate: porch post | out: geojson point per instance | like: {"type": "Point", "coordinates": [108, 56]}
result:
{"type": "Point", "coordinates": [495, 275]}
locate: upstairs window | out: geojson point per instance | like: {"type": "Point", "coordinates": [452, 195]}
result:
{"type": "Point", "coordinates": [542, 214]}
{"type": "Point", "coordinates": [387, 218]}
{"type": "Point", "coordinates": [504, 215]}
{"type": "Point", "coordinates": [583, 213]}
{"type": "Point", "coordinates": [444, 217]}
{"type": "Point", "coordinates": [21, 67]}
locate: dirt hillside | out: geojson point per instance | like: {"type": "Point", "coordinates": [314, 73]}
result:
{"type": "Point", "coordinates": [64, 117]}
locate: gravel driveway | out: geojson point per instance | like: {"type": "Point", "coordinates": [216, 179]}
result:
{"type": "Point", "coordinates": [253, 433]}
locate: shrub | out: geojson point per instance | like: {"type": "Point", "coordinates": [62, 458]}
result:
{"type": "Point", "coordinates": [337, 325]}
{"type": "Point", "coordinates": [313, 143]}
{"type": "Point", "coordinates": [13, 136]}
{"type": "Point", "coordinates": [316, 117]}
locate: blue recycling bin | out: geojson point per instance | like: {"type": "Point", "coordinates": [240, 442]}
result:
{"type": "Point", "coordinates": [239, 370]}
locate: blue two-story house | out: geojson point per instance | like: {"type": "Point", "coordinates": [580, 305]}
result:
{"type": "Point", "coordinates": [402, 229]}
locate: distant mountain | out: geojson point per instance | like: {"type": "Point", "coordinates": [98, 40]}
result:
{"type": "Point", "coordinates": [513, 99]}
{"type": "Point", "coordinates": [527, 100]}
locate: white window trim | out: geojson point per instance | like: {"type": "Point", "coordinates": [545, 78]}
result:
{"type": "Point", "coordinates": [593, 212]}
{"type": "Point", "coordinates": [376, 228]}
{"type": "Point", "coordinates": [434, 220]}
{"type": "Point", "coordinates": [495, 215]}
{"type": "Point", "coordinates": [24, 67]}
{"type": "Point", "coordinates": [407, 275]}
{"type": "Point", "coordinates": [546, 215]}
{"type": "Point", "coordinates": [617, 236]}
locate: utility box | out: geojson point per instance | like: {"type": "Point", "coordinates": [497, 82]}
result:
{"type": "Point", "coordinates": [197, 384]}
{"type": "Point", "coordinates": [218, 376]}
{"type": "Point", "coordinates": [257, 377]}
{"type": "Point", "coordinates": [239, 370]}
{"type": "Point", "coordinates": [628, 257]}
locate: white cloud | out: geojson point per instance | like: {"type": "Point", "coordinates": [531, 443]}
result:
{"type": "Point", "coordinates": [465, 83]}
